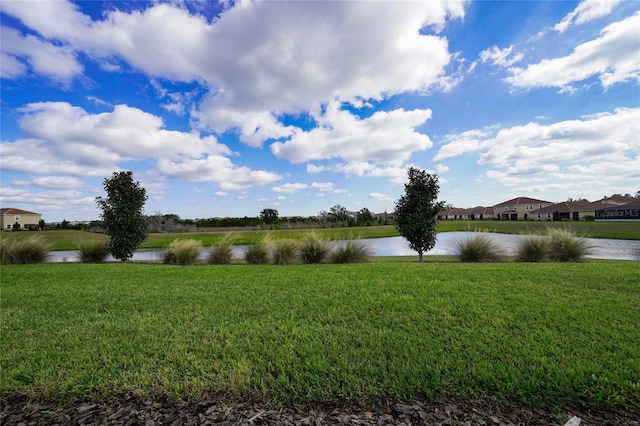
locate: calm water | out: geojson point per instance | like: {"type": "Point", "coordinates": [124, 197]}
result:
{"type": "Point", "coordinates": [398, 246]}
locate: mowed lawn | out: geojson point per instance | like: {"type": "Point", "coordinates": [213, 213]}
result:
{"type": "Point", "coordinates": [542, 334]}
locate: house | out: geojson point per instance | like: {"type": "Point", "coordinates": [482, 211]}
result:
{"type": "Point", "coordinates": [568, 210]}
{"type": "Point", "coordinates": [454, 213]}
{"type": "Point", "coordinates": [481, 213]}
{"type": "Point", "coordinates": [610, 211]}
{"type": "Point", "coordinates": [24, 219]}
{"type": "Point", "coordinates": [519, 208]}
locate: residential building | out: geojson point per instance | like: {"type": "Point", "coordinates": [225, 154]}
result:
{"type": "Point", "coordinates": [568, 210]}
{"type": "Point", "coordinates": [24, 219]}
{"type": "Point", "coordinates": [520, 208]}
{"type": "Point", "coordinates": [481, 213]}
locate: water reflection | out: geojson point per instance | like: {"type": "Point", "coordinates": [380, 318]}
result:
{"type": "Point", "coordinates": [398, 246]}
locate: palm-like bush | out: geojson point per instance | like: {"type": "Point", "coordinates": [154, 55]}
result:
{"type": "Point", "coordinates": [532, 249]}
{"type": "Point", "coordinates": [284, 252]}
{"type": "Point", "coordinates": [15, 251]}
{"type": "Point", "coordinates": [564, 246]}
{"type": "Point", "coordinates": [477, 248]}
{"type": "Point", "coordinates": [314, 249]}
{"type": "Point", "coordinates": [353, 251]}
{"type": "Point", "coordinates": [222, 252]}
{"type": "Point", "coordinates": [92, 251]}
{"type": "Point", "coordinates": [182, 252]}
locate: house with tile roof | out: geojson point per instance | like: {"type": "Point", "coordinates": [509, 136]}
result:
{"type": "Point", "coordinates": [520, 208]}
{"type": "Point", "coordinates": [568, 210]}
{"type": "Point", "coordinates": [21, 218]}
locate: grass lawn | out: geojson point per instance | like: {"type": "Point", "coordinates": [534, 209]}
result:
{"type": "Point", "coordinates": [543, 334]}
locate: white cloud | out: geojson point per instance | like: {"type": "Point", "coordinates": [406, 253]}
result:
{"type": "Point", "coordinates": [381, 197]}
{"type": "Point", "coordinates": [297, 56]}
{"type": "Point", "coordinates": [322, 186]}
{"type": "Point", "coordinates": [499, 57]}
{"type": "Point", "coordinates": [57, 182]}
{"type": "Point", "coordinates": [602, 147]}
{"type": "Point", "coordinates": [586, 11]}
{"type": "Point", "coordinates": [290, 188]}
{"type": "Point", "coordinates": [441, 168]}
{"type": "Point", "coordinates": [312, 168]}
{"type": "Point", "coordinates": [64, 139]}
{"type": "Point", "coordinates": [59, 63]}
{"type": "Point", "coordinates": [385, 137]}
{"type": "Point", "coordinates": [612, 57]}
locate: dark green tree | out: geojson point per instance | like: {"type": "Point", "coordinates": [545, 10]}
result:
{"type": "Point", "coordinates": [269, 216]}
{"type": "Point", "coordinates": [123, 214]}
{"type": "Point", "coordinates": [364, 217]}
{"type": "Point", "coordinates": [416, 212]}
{"type": "Point", "coordinates": [339, 213]}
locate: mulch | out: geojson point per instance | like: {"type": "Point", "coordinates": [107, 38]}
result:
{"type": "Point", "coordinates": [135, 411]}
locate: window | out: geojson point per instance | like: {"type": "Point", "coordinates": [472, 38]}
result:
{"type": "Point", "coordinates": [17, 218]}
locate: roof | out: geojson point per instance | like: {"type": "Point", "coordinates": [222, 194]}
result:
{"type": "Point", "coordinates": [523, 200]}
{"type": "Point", "coordinates": [618, 199]}
{"type": "Point", "coordinates": [633, 204]}
{"type": "Point", "coordinates": [481, 210]}
{"type": "Point", "coordinates": [571, 206]}
{"type": "Point", "coordinates": [11, 210]}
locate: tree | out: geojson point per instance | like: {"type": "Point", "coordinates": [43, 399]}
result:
{"type": "Point", "coordinates": [269, 216]}
{"type": "Point", "coordinates": [364, 217]}
{"type": "Point", "coordinates": [339, 213]}
{"type": "Point", "coordinates": [123, 214]}
{"type": "Point", "coordinates": [416, 212]}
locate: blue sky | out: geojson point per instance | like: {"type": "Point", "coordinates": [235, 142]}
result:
{"type": "Point", "coordinates": [227, 108]}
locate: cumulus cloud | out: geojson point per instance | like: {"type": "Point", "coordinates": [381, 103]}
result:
{"type": "Point", "coordinates": [604, 144]}
{"type": "Point", "coordinates": [69, 140]}
{"type": "Point", "coordinates": [290, 188]}
{"type": "Point", "coordinates": [381, 197]}
{"type": "Point", "coordinates": [586, 11]}
{"type": "Point", "coordinates": [385, 137]}
{"type": "Point", "coordinates": [297, 56]}
{"type": "Point", "coordinates": [612, 57]}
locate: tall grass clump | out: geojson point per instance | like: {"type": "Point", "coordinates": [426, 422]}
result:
{"type": "Point", "coordinates": [477, 248]}
{"type": "Point", "coordinates": [532, 249]}
{"type": "Point", "coordinates": [17, 251]}
{"type": "Point", "coordinates": [258, 253]}
{"type": "Point", "coordinates": [353, 251]}
{"type": "Point", "coordinates": [564, 246]}
{"type": "Point", "coordinates": [313, 249]}
{"type": "Point", "coordinates": [284, 252]}
{"type": "Point", "coordinates": [182, 252]}
{"type": "Point", "coordinates": [92, 251]}
{"type": "Point", "coordinates": [221, 253]}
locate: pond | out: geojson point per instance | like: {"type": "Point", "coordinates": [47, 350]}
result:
{"type": "Point", "coordinates": [398, 246]}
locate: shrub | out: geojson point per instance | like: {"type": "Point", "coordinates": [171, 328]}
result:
{"type": "Point", "coordinates": [313, 249]}
{"type": "Point", "coordinates": [15, 251]}
{"type": "Point", "coordinates": [532, 249]}
{"type": "Point", "coordinates": [92, 251]}
{"type": "Point", "coordinates": [284, 252]}
{"type": "Point", "coordinates": [182, 252]}
{"type": "Point", "coordinates": [477, 248]}
{"type": "Point", "coordinates": [222, 252]}
{"type": "Point", "coordinates": [353, 251]}
{"type": "Point", "coordinates": [258, 254]}
{"type": "Point", "coordinates": [564, 246]}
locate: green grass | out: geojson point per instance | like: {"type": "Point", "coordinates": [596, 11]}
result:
{"type": "Point", "coordinates": [477, 248]}
{"type": "Point", "coordinates": [546, 334]}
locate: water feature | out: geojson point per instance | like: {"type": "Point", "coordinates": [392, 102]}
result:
{"type": "Point", "coordinates": [398, 246]}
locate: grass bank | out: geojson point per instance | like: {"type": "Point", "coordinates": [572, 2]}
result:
{"type": "Point", "coordinates": [68, 240]}
{"type": "Point", "coordinates": [542, 334]}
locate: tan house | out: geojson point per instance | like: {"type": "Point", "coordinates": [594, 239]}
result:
{"type": "Point", "coordinates": [520, 208]}
{"type": "Point", "coordinates": [25, 220]}
{"type": "Point", "coordinates": [568, 210]}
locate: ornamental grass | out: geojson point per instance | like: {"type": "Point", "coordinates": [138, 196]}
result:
{"type": "Point", "coordinates": [478, 248]}
{"type": "Point", "coordinates": [16, 251]}
{"type": "Point", "coordinates": [182, 252]}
